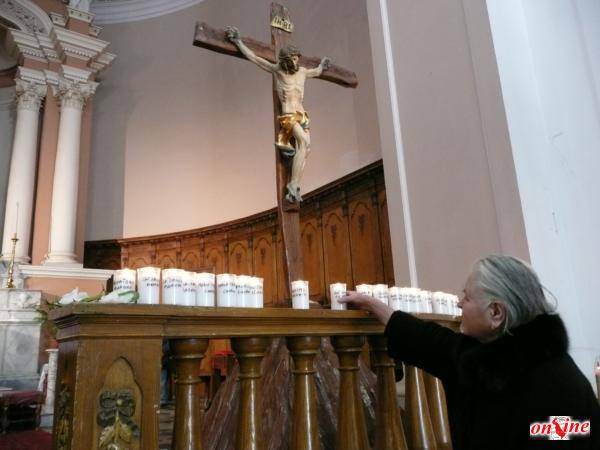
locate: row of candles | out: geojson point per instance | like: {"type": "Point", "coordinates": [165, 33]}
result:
{"type": "Point", "coordinates": [180, 287]}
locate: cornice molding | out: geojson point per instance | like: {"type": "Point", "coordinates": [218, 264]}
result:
{"type": "Point", "coordinates": [64, 272]}
{"type": "Point", "coordinates": [115, 11]}
{"type": "Point", "coordinates": [43, 38]}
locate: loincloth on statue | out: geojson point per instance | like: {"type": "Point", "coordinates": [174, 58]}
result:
{"type": "Point", "coordinates": [286, 126]}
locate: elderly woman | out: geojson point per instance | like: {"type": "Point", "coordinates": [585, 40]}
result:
{"type": "Point", "coordinates": [507, 369]}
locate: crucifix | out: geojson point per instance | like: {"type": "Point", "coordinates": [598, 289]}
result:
{"type": "Point", "coordinates": [290, 69]}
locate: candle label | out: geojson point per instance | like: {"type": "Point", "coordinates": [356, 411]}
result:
{"type": "Point", "coordinates": [124, 284]}
{"type": "Point", "coordinates": [150, 281]}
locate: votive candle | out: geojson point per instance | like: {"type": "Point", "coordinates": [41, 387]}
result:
{"type": "Point", "coordinates": [300, 294]}
{"type": "Point", "coordinates": [337, 291]}
{"type": "Point", "coordinates": [149, 285]}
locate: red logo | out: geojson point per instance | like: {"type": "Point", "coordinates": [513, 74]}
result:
{"type": "Point", "coordinates": [559, 428]}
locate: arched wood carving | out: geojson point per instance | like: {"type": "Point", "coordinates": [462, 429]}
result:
{"type": "Point", "coordinates": [117, 411]}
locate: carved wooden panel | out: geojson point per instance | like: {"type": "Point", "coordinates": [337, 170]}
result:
{"type": "Point", "coordinates": [140, 255]}
{"type": "Point", "coordinates": [265, 264]}
{"type": "Point", "coordinates": [364, 240]}
{"type": "Point", "coordinates": [117, 410]}
{"type": "Point", "coordinates": [168, 254]}
{"type": "Point", "coordinates": [336, 247]}
{"type": "Point", "coordinates": [345, 237]}
{"type": "Point", "coordinates": [191, 254]}
{"type": "Point", "coordinates": [214, 255]}
{"type": "Point", "coordinates": [312, 253]}
{"type": "Point", "coordinates": [386, 240]}
{"type": "Point", "coordinates": [240, 258]}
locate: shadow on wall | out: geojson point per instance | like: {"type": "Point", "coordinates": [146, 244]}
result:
{"type": "Point", "coordinates": [105, 204]}
{"type": "Point", "coordinates": [7, 128]}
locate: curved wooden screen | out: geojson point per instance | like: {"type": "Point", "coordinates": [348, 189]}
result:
{"type": "Point", "coordinates": [345, 238]}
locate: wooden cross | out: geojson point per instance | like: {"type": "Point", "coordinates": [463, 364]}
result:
{"type": "Point", "coordinates": [281, 28]}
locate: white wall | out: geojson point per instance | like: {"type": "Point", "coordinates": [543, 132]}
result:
{"type": "Point", "coordinates": [7, 128]}
{"type": "Point", "coordinates": [442, 118]}
{"type": "Point", "coordinates": [183, 137]}
{"type": "Point", "coordinates": [548, 55]}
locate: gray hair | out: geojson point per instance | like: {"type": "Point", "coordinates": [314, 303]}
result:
{"type": "Point", "coordinates": [513, 283]}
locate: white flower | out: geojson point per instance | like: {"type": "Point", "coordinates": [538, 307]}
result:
{"type": "Point", "coordinates": [72, 297]}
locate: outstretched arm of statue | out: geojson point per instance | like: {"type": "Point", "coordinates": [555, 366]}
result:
{"type": "Point", "coordinates": [317, 71]}
{"type": "Point", "coordinates": [233, 35]}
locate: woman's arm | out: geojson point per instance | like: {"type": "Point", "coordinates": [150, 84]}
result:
{"type": "Point", "coordinates": [419, 343]}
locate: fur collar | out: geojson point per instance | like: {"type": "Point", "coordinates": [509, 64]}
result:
{"type": "Point", "coordinates": [492, 366]}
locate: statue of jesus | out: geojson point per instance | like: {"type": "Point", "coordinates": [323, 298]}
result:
{"type": "Point", "coordinates": [293, 139]}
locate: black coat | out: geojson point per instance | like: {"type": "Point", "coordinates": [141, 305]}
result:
{"type": "Point", "coordinates": [496, 390]}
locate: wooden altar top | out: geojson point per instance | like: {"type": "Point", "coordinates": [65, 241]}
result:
{"type": "Point", "coordinates": [138, 321]}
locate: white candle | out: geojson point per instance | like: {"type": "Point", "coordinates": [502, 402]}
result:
{"type": "Point", "coordinates": [337, 291]}
{"type": "Point", "coordinates": [395, 298]}
{"type": "Point", "coordinates": [456, 311]}
{"type": "Point", "coordinates": [365, 289]}
{"type": "Point", "coordinates": [226, 290]}
{"type": "Point", "coordinates": [426, 301]}
{"type": "Point", "coordinates": [205, 289]}
{"type": "Point", "coordinates": [124, 280]}
{"type": "Point", "coordinates": [242, 288]}
{"type": "Point", "coordinates": [437, 304]}
{"type": "Point", "coordinates": [149, 285]}
{"type": "Point", "coordinates": [380, 292]}
{"type": "Point", "coordinates": [189, 288]}
{"type": "Point", "coordinates": [414, 305]}
{"type": "Point", "coordinates": [172, 286]}
{"type": "Point", "coordinates": [256, 292]}
{"type": "Point", "coordinates": [300, 294]}
{"type": "Point", "coordinates": [407, 305]}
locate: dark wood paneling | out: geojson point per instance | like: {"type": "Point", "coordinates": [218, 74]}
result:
{"type": "Point", "coordinates": [191, 254]}
{"type": "Point", "coordinates": [365, 244]}
{"type": "Point", "coordinates": [240, 257]}
{"type": "Point", "coordinates": [386, 241]}
{"type": "Point", "coordinates": [336, 247]}
{"type": "Point", "coordinates": [312, 253]}
{"type": "Point", "coordinates": [265, 263]}
{"type": "Point", "coordinates": [344, 230]}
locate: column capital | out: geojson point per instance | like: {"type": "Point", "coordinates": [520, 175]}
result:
{"type": "Point", "coordinates": [29, 94]}
{"type": "Point", "coordinates": [74, 94]}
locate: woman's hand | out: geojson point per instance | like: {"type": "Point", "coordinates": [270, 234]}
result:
{"type": "Point", "coordinates": [360, 301]}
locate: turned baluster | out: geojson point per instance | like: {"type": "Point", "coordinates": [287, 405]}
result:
{"type": "Point", "coordinates": [305, 430]}
{"type": "Point", "coordinates": [389, 434]}
{"type": "Point", "coordinates": [188, 354]}
{"type": "Point", "coordinates": [249, 352]}
{"type": "Point", "coordinates": [352, 430]}
{"type": "Point", "coordinates": [438, 411]}
{"type": "Point", "coordinates": [420, 434]}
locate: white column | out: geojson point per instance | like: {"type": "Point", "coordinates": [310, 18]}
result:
{"type": "Point", "coordinates": [21, 181]}
{"type": "Point", "coordinates": [72, 97]}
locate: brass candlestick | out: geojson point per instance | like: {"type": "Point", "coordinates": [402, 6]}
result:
{"type": "Point", "coordinates": [10, 282]}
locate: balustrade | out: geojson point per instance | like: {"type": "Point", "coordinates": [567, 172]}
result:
{"type": "Point", "coordinates": [109, 372]}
